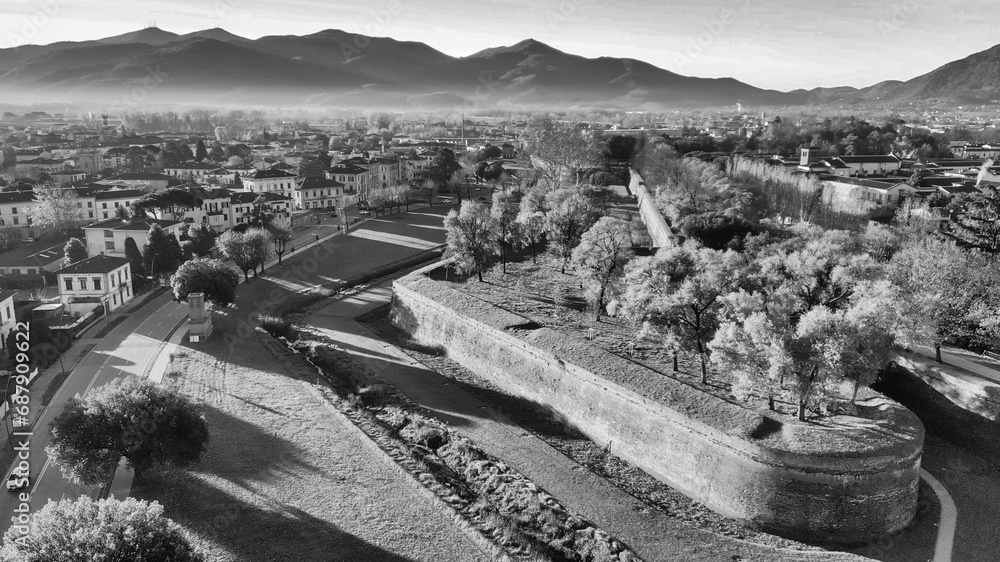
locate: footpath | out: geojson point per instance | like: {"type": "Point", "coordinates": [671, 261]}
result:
{"type": "Point", "coordinates": [649, 533]}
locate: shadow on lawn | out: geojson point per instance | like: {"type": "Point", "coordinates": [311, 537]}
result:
{"type": "Point", "coordinates": [270, 531]}
{"type": "Point", "coordinates": [247, 453]}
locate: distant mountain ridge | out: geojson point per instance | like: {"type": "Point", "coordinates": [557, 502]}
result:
{"type": "Point", "coordinates": [337, 68]}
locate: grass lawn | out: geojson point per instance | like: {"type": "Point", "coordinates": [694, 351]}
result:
{"type": "Point", "coordinates": [285, 478]}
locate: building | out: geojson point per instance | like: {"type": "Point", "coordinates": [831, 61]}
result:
{"type": "Point", "coordinates": [271, 181]}
{"type": "Point", "coordinates": [356, 179]}
{"type": "Point", "coordinates": [241, 205]}
{"type": "Point", "coordinates": [68, 175]}
{"type": "Point", "coordinates": [96, 281]}
{"type": "Point", "coordinates": [141, 180]}
{"type": "Point", "coordinates": [36, 258]}
{"type": "Point", "coordinates": [46, 165]}
{"type": "Point", "coordinates": [107, 203]}
{"type": "Point", "coordinates": [319, 193]}
{"type": "Point", "coordinates": [978, 151]}
{"type": "Point", "coordinates": [384, 171]}
{"type": "Point", "coordinates": [15, 224]}
{"type": "Point", "coordinates": [847, 166]}
{"type": "Point", "coordinates": [108, 237]}
{"type": "Point", "coordinates": [8, 320]}
{"type": "Point", "coordinates": [189, 170]}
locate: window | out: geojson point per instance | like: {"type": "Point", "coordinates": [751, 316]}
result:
{"type": "Point", "coordinates": [90, 204]}
{"type": "Point", "coordinates": [15, 220]}
{"type": "Point", "coordinates": [69, 284]}
{"type": "Point", "coordinates": [10, 314]}
{"type": "Point", "coordinates": [109, 245]}
{"type": "Point", "coordinates": [90, 214]}
{"type": "Point", "coordinates": [105, 214]}
{"type": "Point", "coordinates": [115, 298]}
{"type": "Point", "coordinates": [104, 205]}
{"type": "Point", "coordinates": [83, 283]}
{"type": "Point", "coordinates": [13, 211]}
{"type": "Point", "coordinates": [97, 283]}
{"type": "Point", "coordinates": [119, 278]}
{"type": "Point", "coordinates": [116, 204]}
{"type": "Point", "coordinates": [79, 205]}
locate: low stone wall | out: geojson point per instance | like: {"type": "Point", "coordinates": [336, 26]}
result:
{"type": "Point", "coordinates": [657, 226]}
{"type": "Point", "coordinates": [846, 480]}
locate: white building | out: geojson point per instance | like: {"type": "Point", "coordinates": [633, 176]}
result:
{"type": "Point", "coordinates": [241, 205]}
{"type": "Point", "coordinates": [7, 319]}
{"type": "Point", "coordinates": [271, 181]}
{"type": "Point", "coordinates": [96, 281]}
{"type": "Point", "coordinates": [108, 237]}
{"type": "Point", "coordinates": [319, 193]}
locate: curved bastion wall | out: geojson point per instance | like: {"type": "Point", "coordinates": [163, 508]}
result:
{"type": "Point", "coordinates": [844, 479]}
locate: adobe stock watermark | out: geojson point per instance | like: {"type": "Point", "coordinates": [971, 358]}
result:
{"type": "Point", "coordinates": [712, 29]}
{"type": "Point", "coordinates": [140, 93]}
{"type": "Point", "coordinates": [564, 11]}
{"type": "Point", "coordinates": [20, 437]}
{"type": "Point", "coordinates": [223, 7]}
{"type": "Point", "coordinates": [899, 16]}
{"type": "Point", "coordinates": [33, 24]}
{"type": "Point", "coordinates": [379, 20]}
{"type": "Point", "coordinates": [481, 96]}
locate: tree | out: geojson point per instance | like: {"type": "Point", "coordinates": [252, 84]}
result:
{"type": "Point", "coordinates": [134, 257]}
{"type": "Point", "coordinates": [471, 234]}
{"type": "Point", "coordinates": [260, 213]}
{"type": "Point", "coordinates": [248, 250]}
{"type": "Point", "coordinates": [174, 153]}
{"type": "Point", "coordinates": [443, 166]}
{"type": "Point", "coordinates": [201, 151]}
{"type": "Point", "coordinates": [75, 251]}
{"type": "Point", "coordinates": [176, 252]}
{"type": "Point", "coordinates": [173, 200]}
{"type": "Point", "coordinates": [55, 208]}
{"type": "Point", "coordinates": [570, 215]}
{"type": "Point", "coordinates": [150, 425]}
{"type": "Point", "coordinates": [531, 223]}
{"type": "Point", "coordinates": [490, 152]}
{"type": "Point", "coordinates": [558, 150]}
{"type": "Point", "coordinates": [504, 214]}
{"type": "Point", "coordinates": [209, 276]}
{"type": "Point", "coordinates": [216, 154]}
{"type": "Point", "coordinates": [601, 256]}
{"type": "Point", "coordinates": [202, 239]}
{"type": "Point", "coordinates": [281, 235]}
{"type": "Point", "coordinates": [676, 293]}
{"type": "Point", "coordinates": [159, 256]}
{"type": "Point", "coordinates": [108, 529]}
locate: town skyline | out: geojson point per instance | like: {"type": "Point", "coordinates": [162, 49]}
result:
{"type": "Point", "coordinates": [780, 45]}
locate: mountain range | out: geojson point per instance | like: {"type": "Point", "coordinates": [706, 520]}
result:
{"type": "Point", "coordinates": [334, 68]}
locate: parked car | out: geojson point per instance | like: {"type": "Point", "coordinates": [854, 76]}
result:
{"type": "Point", "coordinates": [17, 481]}
{"type": "Point", "coordinates": [364, 212]}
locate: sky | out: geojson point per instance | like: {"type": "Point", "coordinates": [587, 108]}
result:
{"type": "Point", "coordinates": [779, 44]}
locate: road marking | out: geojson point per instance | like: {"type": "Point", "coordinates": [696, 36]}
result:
{"type": "Point", "coordinates": [41, 474]}
{"type": "Point", "coordinates": [949, 519]}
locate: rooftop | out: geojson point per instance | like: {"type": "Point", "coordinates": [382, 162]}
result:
{"type": "Point", "coordinates": [95, 264]}
{"type": "Point", "coordinates": [142, 225]}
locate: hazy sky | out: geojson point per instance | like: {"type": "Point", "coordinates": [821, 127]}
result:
{"type": "Point", "coordinates": [781, 44]}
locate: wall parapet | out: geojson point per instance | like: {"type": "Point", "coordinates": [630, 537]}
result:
{"type": "Point", "coordinates": [655, 223]}
{"type": "Point", "coordinates": [848, 480]}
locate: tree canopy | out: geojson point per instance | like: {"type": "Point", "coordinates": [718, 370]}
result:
{"type": "Point", "coordinates": [601, 257]}
{"type": "Point", "coordinates": [472, 237]}
{"type": "Point", "coordinates": [209, 276]}
{"type": "Point", "coordinates": [108, 529]}
{"type": "Point", "coordinates": [75, 251]}
{"type": "Point", "coordinates": [150, 425]}
{"type": "Point", "coordinates": [56, 208]}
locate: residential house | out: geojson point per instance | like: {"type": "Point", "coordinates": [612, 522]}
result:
{"type": "Point", "coordinates": [271, 181]}
{"type": "Point", "coordinates": [319, 193]}
{"type": "Point", "coordinates": [189, 170]}
{"type": "Point", "coordinates": [69, 175]}
{"type": "Point", "coordinates": [241, 204]}
{"type": "Point", "coordinates": [356, 179]}
{"type": "Point", "coordinates": [385, 172]}
{"type": "Point", "coordinates": [980, 151]}
{"type": "Point", "coordinates": [108, 237]}
{"type": "Point", "coordinates": [46, 165]}
{"type": "Point", "coordinates": [99, 280]}
{"type": "Point", "coordinates": [15, 224]}
{"type": "Point", "coordinates": [35, 258]}
{"type": "Point", "coordinates": [141, 180]}
{"type": "Point", "coordinates": [7, 319]}
{"type": "Point", "coordinates": [846, 166]}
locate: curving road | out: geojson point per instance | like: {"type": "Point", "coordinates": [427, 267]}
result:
{"type": "Point", "coordinates": [130, 348]}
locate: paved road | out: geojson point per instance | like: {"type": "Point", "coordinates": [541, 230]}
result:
{"type": "Point", "coordinates": [129, 349]}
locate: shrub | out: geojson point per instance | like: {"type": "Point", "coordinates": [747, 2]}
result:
{"type": "Point", "coordinates": [278, 327]}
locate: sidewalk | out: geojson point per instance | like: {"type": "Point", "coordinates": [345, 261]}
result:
{"type": "Point", "coordinates": [652, 535]}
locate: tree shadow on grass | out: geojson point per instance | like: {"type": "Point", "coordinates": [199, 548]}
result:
{"type": "Point", "coordinates": [246, 453]}
{"type": "Point", "coordinates": [269, 531]}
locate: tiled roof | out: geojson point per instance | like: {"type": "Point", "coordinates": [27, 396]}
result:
{"type": "Point", "coordinates": [95, 264]}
